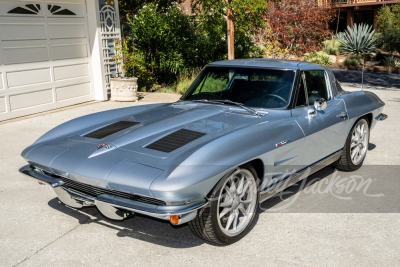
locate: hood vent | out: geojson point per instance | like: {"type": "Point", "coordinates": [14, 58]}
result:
{"type": "Point", "coordinates": [111, 129]}
{"type": "Point", "coordinates": [175, 140]}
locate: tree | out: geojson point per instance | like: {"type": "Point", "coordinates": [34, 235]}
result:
{"type": "Point", "coordinates": [245, 14]}
{"type": "Point", "coordinates": [300, 25]}
{"type": "Point", "coordinates": [388, 18]}
{"type": "Point", "coordinates": [358, 41]}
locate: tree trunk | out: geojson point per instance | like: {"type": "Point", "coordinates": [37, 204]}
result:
{"type": "Point", "coordinates": [231, 47]}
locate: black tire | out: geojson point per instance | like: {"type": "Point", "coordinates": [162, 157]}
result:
{"type": "Point", "coordinates": [207, 226]}
{"type": "Point", "coordinates": [345, 162]}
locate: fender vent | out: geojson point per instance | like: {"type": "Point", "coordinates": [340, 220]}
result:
{"type": "Point", "coordinates": [175, 140]}
{"type": "Point", "coordinates": [111, 129]}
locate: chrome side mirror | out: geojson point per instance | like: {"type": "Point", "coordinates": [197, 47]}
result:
{"type": "Point", "coordinates": [319, 104]}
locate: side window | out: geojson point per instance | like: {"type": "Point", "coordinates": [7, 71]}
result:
{"type": "Point", "coordinates": [316, 85]}
{"type": "Point", "coordinates": [301, 97]}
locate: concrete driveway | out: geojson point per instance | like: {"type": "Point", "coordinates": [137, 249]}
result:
{"type": "Point", "coordinates": [318, 228]}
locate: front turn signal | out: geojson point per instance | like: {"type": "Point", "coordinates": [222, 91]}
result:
{"type": "Point", "coordinates": [174, 219]}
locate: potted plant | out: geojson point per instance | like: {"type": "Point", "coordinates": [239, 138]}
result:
{"type": "Point", "coordinates": [122, 88]}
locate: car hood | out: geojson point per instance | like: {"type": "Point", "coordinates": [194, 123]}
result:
{"type": "Point", "coordinates": [207, 120]}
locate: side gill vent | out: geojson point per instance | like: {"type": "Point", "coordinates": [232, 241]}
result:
{"type": "Point", "coordinates": [111, 129]}
{"type": "Point", "coordinates": [175, 140]}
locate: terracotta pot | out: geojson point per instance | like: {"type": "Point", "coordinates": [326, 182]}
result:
{"type": "Point", "coordinates": [124, 89]}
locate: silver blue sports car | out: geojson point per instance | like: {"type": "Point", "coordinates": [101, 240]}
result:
{"type": "Point", "coordinates": [242, 132]}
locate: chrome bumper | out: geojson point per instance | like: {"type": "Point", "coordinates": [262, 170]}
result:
{"type": "Point", "coordinates": [111, 206]}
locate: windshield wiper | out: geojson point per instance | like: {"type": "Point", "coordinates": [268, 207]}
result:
{"type": "Point", "coordinates": [225, 101]}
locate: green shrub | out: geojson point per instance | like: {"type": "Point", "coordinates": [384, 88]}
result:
{"type": "Point", "coordinates": [333, 44]}
{"type": "Point", "coordinates": [351, 62]}
{"type": "Point", "coordinates": [169, 42]}
{"type": "Point", "coordinates": [318, 58]}
{"type": "Point", "coordinates": [332, 51]}
{"type": "Point", "coordinates": [391, 62]}
{"type": "Point", "coordinates": [389, 41]}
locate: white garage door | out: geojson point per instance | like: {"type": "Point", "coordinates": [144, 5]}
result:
{"type": "Point", "coordinates": [44, 56]}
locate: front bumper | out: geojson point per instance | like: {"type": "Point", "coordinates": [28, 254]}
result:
{"type": "Point", "coordinates": [113, 206]}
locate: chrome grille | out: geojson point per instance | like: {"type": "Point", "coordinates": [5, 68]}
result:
{"type": "Point", "coordinates": [95, 191]}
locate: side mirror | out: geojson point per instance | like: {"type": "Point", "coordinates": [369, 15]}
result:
{"type": "Point", "coordinates": [320, 104]}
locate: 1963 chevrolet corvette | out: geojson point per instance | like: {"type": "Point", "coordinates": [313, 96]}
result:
{"type": "Point", "coordinates": [243, 131]}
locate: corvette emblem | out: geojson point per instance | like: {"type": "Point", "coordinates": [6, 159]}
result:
{"type": "Point", "coordinates": [282, 143]}
{"type": "Point", "coordinates": [103, 146]}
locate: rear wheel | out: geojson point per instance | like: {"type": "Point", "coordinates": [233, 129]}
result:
{"type": "Point", "coordinates": [356, 147]}
{"type": "Point", "coordinates": [231, 209]}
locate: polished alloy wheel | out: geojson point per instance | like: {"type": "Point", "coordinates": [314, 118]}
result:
{"type": "Point", "coordinates": [359, 142]}
{"type": "Point", "coordinates": [237, 202]}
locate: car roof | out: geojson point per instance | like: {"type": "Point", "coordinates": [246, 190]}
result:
{"type": "Point", "coordinates": [267, 63]}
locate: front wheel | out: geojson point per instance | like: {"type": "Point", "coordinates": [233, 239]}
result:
{"type": "Point", "coordinates": [356, 147]}
{"type": "Point", "coordinates": [231, 209]}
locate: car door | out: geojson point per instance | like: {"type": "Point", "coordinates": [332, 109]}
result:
{"type": "Point", "coordinates": [324, 130]}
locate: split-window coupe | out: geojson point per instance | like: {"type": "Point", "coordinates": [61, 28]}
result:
{"type": "Point", "coordinates": [243, 131]}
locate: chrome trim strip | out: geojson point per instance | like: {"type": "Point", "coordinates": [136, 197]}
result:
{"type": "Point", "coordinates": [298, 176]}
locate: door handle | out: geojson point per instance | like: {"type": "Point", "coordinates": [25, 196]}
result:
{"type": "Point", "coordinates": [343, 115]}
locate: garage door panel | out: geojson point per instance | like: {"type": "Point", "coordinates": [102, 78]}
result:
{"type": "Point", "coordinates": [72, 91]}
{"type": "Point", "coordinates": [67, 31]}
{"type": "Point", "coordinates": [16, 55]}
{"type": "Point", "coordinates": [28, 77]}
{"type": "Point", "coordinates": [71, 71]}
{"type": "Point", "coordinates": [45, 56]}
{"type": "Point", "coordinates": [31, 99]}
{"type": "Point", "coordinates": [2, 104]}
{"type": "Point", "coordinates": [15, 32]}
{"type": "Point", "coordinates": [20, 9]}
{"type": "Point", "coordinates": [69, 51]}
{"type": "Point", "coordinates": [62, 9]}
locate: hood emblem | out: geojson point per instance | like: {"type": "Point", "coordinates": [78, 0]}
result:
{"type": "Point", "coordinates": [103, 146]}
{"type": "Point", "coordinates": [282, 143]}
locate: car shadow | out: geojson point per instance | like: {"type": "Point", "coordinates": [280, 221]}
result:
{"type": "Point", "coordinates": [161, 232]}
{"type": "Point", "coordinates": [295, 189]}
{"type": "Point", "coordinates": [152, 230]}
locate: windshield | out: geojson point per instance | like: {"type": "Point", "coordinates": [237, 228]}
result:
{"type": "Point", "coordinates": [263, 88]}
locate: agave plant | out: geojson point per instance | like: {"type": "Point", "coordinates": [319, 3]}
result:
{"type": "Point", "coordinates": [358, 41]}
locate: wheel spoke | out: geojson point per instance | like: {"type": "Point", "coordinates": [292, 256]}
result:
{"type": "Point", "coordinates": [228, 191]}
{"type": "Point", "coordinates": [230, 220]}
{"type": "Point", "coordinates": [353, 144]}
{"type": "Point", "coordinates": [245, 189]}
{"type": "Point", "coordinates": [355, 151]}
{"type": "Point", "coordinates": [226, 204]}
{"type": "Point", "coordinates": [247, 201]}
{"type": "Point", "coordinates": [224, 212]}
{"type": "Point", "coordinates": [233, 186]}
{"type": "Point", "coordinates": [235, 219]}
{"type": "Point", "coordinates": [240, 186]}
{"type": "Point", "coordinates": [242, 209]}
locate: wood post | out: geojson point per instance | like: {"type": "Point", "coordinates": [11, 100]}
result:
{"type": "Point", "coordinates": [231, 47]}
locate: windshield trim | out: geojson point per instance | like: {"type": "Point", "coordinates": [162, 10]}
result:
{"type": "Point", "coordinates": [290, 100]}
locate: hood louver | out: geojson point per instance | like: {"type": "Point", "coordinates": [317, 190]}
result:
{"type": "Point", "coordinates": [111, 129]}
{"type": "Point", "coordinates": [175, 140]}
